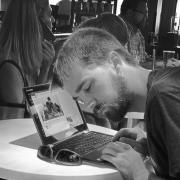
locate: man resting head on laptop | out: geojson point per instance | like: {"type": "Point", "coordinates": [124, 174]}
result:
{"type": "Point", "coordinates": [96, 69]}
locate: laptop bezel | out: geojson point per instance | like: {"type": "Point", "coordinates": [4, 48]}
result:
{"type": "Point", "coordinates": [42, 88]}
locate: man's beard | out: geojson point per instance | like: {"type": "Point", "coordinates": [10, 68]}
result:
{"type": "Point", "coordinates": [114, 111]}
{"type": "Point", "coordinates": [118, 108]}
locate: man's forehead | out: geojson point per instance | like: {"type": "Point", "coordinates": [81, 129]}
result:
{"type": "Point", "coordinates": [80, 72]}
{"type": "Point", "coordinates": [75, 72]}
{"type": "Point", "coordinates": [83, 65]}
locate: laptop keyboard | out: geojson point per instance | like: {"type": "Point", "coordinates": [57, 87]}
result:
{"type": "Point", "coordinates": [85, 142]}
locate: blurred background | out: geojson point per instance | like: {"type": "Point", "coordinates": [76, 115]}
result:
{"type": "Point", "coordinates": [163, 20]}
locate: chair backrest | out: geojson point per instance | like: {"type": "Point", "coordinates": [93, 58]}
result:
{"type": "Point", "coordinates": [9, 108]}
{"type": "Point", "coordinates": [133, 117]}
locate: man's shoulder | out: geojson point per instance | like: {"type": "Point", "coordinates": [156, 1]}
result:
{"type": "Point", "coordinates": [163, 89]}
{"type": "Point", "coordinates": [164, 79]}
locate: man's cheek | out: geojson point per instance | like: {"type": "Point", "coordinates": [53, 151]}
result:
{"type": "Point", "coordinates": [106, 96]}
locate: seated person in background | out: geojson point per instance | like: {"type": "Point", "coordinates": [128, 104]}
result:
{"type": "Point", "coordinates": [135, 14]}
{"type": "Point", "coordinates": [111, 23]}
{"type": "Point", "coordinates": [22, 42]}
{"type": "Point", "coordinates": [117, 27]}
{"type": "Point", "coordinates": [95, 68]}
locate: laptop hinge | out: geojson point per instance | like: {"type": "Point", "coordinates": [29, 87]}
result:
{"type": "Point", "coordinates": [74, 134]}
{"type": "Point", "coordinates": [85, 131]}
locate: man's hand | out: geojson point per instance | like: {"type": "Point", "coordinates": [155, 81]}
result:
{"type": "Point", "coordinates": [135, 137]}
{"type": "Point", "coordinates": [126, 160]}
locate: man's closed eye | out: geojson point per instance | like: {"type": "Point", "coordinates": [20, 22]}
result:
{"type": "Point", "coordinates": [89, 87]}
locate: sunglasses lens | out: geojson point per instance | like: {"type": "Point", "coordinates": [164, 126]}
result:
{"type": "Point", "coordinates": [68, 157]}
{"type": "Point", "coordinates": [45, 152]}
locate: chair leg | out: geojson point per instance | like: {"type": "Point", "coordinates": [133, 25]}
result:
{"type": "Point", "coordinates": [129, 123]}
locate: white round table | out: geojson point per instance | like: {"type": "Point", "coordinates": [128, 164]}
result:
{"type": "Point", "coordinates": [18, 156]}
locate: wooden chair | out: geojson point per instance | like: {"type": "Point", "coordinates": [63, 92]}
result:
{"type": "Point", "coordinates": [132, 118]}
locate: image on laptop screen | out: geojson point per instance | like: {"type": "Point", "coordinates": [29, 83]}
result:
{"type": "Point", "coordinates": [57, 111]}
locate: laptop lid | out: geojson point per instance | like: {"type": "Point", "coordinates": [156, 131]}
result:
{"type": "Point", "coordinates": [56, 114]}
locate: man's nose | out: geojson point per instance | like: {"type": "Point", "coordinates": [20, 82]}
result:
{"type": "Point", "coordinates": [91, 104]}
{"type": "Point", "coordinates": [88, 106]}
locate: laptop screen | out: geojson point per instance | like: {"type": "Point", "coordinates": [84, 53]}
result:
{"type": "Point", "coordinates": [56, 113]}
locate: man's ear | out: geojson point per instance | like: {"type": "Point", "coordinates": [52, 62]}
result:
{"type": "Point", "coordinates": [116, 60]}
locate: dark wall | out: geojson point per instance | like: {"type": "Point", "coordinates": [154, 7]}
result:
{"type": "Point", "coordinates": [168, 10]}
{"type": "Point", "coordinates": [167, 41]}
{"type": "Point", "coordinates": [152, 5]}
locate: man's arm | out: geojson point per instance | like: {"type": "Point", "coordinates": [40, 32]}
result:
{"type": "Point", "coordinates": [127, 161]}
{"type": "Point", "coordinates": [135, 137]}
{"type": "Point", "coordinates": [163, 128]}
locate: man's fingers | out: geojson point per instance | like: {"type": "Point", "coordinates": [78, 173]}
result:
{"type": "Point", "coordinates": [138, 146]}
{"type": "Point", "coordinates": [129, 141]}
{"type": "Point", "coordinates": [114, 148]}
{"type": "Point", "coordinates": [119, 163]}
{"type": "Point", "coordinates": [126, 132]}
{"type": "Point", "coordinates": [108, 158]}
{"type": "Point", "coordinates": [110, 152]}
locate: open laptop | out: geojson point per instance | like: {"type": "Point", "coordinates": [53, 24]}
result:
{"type": "Point", "coordinates": [60, 122]}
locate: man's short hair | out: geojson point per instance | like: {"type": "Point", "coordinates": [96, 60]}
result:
{"type": "Point", "coordinates": [89, 45]}
{"type": "Point", "coordinates": [130, 4]}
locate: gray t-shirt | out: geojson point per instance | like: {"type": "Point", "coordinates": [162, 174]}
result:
{"type": "Point", "coordinates": [163, 121]}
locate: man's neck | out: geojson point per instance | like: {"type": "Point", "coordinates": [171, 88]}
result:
{"type": "Point", "coordinates": [138, 104]}
{"type": "Point", "coordinates": [137, 85]}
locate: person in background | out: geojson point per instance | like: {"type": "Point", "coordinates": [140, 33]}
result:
{"type": "Point", "coordinates": [111, 23]}
{"type": "Point", "coordinates": [22, 42]}
{"type": "Point", "coordinates": [95, 68]}
{"type": "Point", "coordinates": [45, 13]}
{"type": "Point", "coordinates": [135, 14]}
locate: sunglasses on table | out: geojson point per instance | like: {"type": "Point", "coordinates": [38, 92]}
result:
{"type": "Point", "coordinates": [63, 156]}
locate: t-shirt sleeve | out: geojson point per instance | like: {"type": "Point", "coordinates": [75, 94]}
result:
{"type": "Point", "coordinates": [163, 127]}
